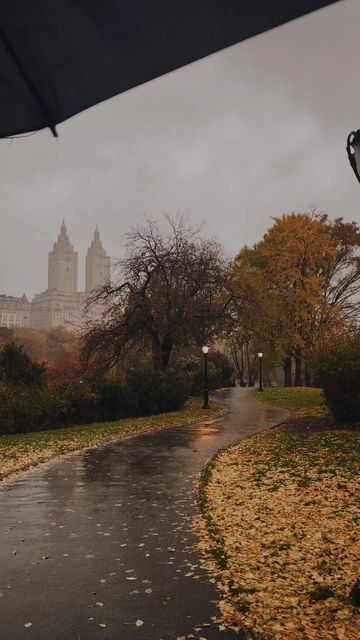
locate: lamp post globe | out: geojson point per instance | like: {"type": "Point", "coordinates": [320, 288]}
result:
{"type": "Point", "coordinates": [353, 151]}
{"type": "Point", "coordinates": [261, 386]}
{"type": "Point", "coordinates": [205, 351]}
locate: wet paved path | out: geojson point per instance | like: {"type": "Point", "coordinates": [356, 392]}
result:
{"type": "Point", "coordinates": [104, 537]}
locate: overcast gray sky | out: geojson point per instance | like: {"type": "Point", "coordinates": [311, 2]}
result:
{"type": "Point", "coordinates": [246, 134]}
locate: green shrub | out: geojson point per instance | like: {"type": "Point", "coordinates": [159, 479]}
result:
{"type": "Point", "coordinates": [80, 403]}
{"type": "Point", "coordinates": [337, 372]}
{"type": "Point", "coordinates": [16, 367]}
{"type": "Point", "coordinates": [23, 409]}
{"type": "Point", "coordinates": [158, 391]}
{"type": "Point", "coordinates": [8, 402]}
{"type": "Point", "coordinates": [191, 368]}
{"type": "Point", "coordinates": [220, 371]}
{"type": "Point", "coordinates": [115, 400]}
{"type": "Point", "coordinates": [225, 374]}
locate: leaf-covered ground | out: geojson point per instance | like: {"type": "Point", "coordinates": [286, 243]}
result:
{"type": "Point", "coordinates": [22, 451]}
{"type": "Point", "coordinates": [281, 517]}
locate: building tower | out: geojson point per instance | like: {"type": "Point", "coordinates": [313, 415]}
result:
{"type": "Point", "coordinates": [97, 264]}
{"type": "Point", "coordinates": [63, 265]}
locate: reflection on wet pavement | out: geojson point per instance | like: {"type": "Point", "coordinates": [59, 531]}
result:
{"type": "Point", "coordinates": [100, 545]}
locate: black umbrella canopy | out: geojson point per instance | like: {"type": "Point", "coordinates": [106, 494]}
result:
{"type": "Point", "coordinates": [59, 57]}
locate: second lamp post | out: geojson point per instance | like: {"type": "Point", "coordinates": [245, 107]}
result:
{"type": "Point", "coordinates": [261, 387]}
{"type": "Point", "coordinates": [205, 351]}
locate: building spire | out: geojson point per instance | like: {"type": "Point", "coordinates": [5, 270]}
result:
{"type": "Point", "coordinates": [63, 264]}
{"type": "Point", "coordinates": [63, 241]}
{"type": "Point", "coordinates": [97, 264]}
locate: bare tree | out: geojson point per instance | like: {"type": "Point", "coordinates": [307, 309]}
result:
{"type": "Point", "coordinates": [166, 280]}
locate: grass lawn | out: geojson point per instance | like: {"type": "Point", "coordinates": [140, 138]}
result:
{"type": "Point", "coordinates": [22, 451]}
{"type": "Point", "coordinates": [293, 397]}
{"type": "Point", "coordinates": [282, 515]}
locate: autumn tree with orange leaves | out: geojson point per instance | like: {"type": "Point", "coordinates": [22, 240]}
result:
{"type": "Point", "coordinates": [296, 287]}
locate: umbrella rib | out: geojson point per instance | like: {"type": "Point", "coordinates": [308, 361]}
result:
{"type": "Point", "coordinates": [28, 81]}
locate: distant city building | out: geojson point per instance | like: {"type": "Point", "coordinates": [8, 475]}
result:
{"type": "Point", "coordinates": [14, 312]}
{"type": "Point", "coordinates": [62, 305]}
{"type": "Point", "coordinates": [97, 264]}
{"type": "Point", "coordinates": [63, 265]}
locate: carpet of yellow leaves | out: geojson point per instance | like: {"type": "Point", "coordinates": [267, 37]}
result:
{"type": "Point", "coordinates": [284, 510]}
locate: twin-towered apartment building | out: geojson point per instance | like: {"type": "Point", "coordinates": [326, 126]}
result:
{"type": "Point", "coordinates": [61, 305]}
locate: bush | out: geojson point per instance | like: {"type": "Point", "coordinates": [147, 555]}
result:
{"type": "Point", "coordinates": [220, 372]}
{"type": "Point", "coordinates": [115, 400]}
{"type": "Point", "coordinates": [80, 403]}
{"type": "Point", "coordinates": [158, 391]}
{"type": "Point", "coordinates": [23, 409]}
{"type": "Point", "coordinates": [224, 372]}
{"type": "Point", "coordinates": [16, 366]}
{"type": "Point", "coordinates": [191, 368]}
{"type": "Point", "coordinates": [337, 372]}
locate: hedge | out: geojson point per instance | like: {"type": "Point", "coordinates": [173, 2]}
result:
{"type": "Point", "coordinates": [338, 373]}
{"type": "Point", "coordinates": [24, 409]}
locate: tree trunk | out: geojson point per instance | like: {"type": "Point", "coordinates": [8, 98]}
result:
{"type": "Point", "coordinates": [156, 353]}
{"type": "Point", "coordinates": [308, 380]}
{"type": "Point", "coordinates": [248, 366]}
{"type": "Point", "coordinates": [166, 348]}
{"type": "Point", "coordinates": [287, 371]}
{"type": "Point", "coordinates": [161, 352]}
{"type": "Point", "coordinates": [298, 369]}
{"type": "Point", "coordinates": [242, 381]}
{"type": "Point", "coordinates": [239, 365]}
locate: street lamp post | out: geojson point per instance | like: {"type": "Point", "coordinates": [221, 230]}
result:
{"type": "Point", "coordinates": [261, 388]}
{"type": "Point", "coordinates": [205, 351]}
{"type": "Point", "coordinates": [353, 151]}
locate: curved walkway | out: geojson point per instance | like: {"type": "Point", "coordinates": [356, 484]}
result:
{"type": "Point", "coordinates": [99, 545]}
